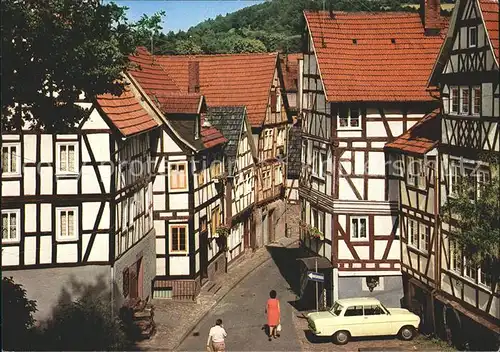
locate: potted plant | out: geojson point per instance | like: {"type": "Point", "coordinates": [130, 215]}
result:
{"type": "Point", "coordinates": [314, 232]}
{"type": "Point", "coordinates": [222, 231]}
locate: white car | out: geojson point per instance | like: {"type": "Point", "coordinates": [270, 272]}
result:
{"type": "Point", "coordinates": [363, 317]}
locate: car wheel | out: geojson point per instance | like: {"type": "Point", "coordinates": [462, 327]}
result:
{"type": "Point", "coordinates": [341, 337]}
{"type": "Point", "coordinates": [407, 333]}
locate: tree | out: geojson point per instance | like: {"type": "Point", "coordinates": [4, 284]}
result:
{"type": "Point", "coordinates": [85, 325]}
{"type": "Point", "coordinates": [147, 30]}
{"type": "Point", "coordinates": [187, 47]}
{"type": "Point", "coordinates": [474, 213]}
{"type": "Point", "coordinates": [17, 315]}
{"type": "Point", "coordinates": [53, 50]}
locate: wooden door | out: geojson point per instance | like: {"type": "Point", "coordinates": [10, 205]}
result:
{"type": "Point", "coordinates": [270, 226]}
{"type": "Point", "coordinates": [204, 249]}
{"type": "Point", "coordinates": [246, 233]}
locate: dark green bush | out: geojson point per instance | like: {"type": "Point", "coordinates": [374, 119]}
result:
{"type": "Point", "coordinates": [85, 325]}
{"type": "Point", "coordinates": [17, 316]}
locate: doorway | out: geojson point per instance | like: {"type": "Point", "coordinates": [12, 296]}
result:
{"type": "Point", "coordinates": [203, 249]}
{"type": "Point", "coordinates": [271, 229]}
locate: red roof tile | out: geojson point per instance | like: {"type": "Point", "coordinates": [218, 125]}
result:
{"type": "Point", "coordinates": [126, 113]}
{"type": "Point", "coordinates": [374, 68]}
{"type": "Point", "coordinates": [163, 91]}
{"type": "Point", "coordinates": [490, 10]}
{"type": "Point", "coordinates": [421, 137]}
{"type": "Point", "coordinates": [210, 135]}
{"type": "Point", "coordinates": [229, 80]}
{"type": "Point", "coordinates": [179, 103]}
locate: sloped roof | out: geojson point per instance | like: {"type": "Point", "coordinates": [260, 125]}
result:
{"type": "Point", "coordinates": [373, 56]}
{"type": "Point", "coordinates": [126, 113]}
{"type": "Point", "coordinates": [163, 91]}
{"type": "Point", "coordinates": [228, 80]}
{"type": "Point", "coordinates": [421, 137]}
{"type": "Point", "coordinates": [228, 120]}
{"type": "Point", "coordinates": [490, 10]}
{"type": "Point", "coordinates": [211, 135]}
{"type": "Point", "coordinates": [294, 164]}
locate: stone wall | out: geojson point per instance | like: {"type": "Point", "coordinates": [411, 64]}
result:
{"type": "Point", "coordinates": [145, 249]}
{"type": "Point", "coordinates": [389, 292]}
{"type": "Point", "coordinates": [217, 267]}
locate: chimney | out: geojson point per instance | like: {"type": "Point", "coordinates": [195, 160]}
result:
{"type": "Point", "coordinates": [193, 77]}
{"type": "Point", "coordinates": [430, 10]}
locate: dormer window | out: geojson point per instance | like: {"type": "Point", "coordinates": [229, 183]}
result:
{"type": "Point", "coordinates": [472, 37]}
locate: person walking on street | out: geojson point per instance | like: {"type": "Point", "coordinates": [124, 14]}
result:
{"type": "Point", "coordinates": [217, 334]}
{"type": "Point", "coordinates": [273, 314]}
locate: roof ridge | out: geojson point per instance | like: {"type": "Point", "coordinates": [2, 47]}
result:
{"type": "Point", "coordinates": [219, 55]}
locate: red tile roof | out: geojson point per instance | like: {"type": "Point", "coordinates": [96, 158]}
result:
{"type": "Point", "coordinates": [421, 137]}
{"type": "Point", "coordinates": [490, 10]}
{"type": "Point", "coordinates": [179, 103]}
{"type": "Point", "coordinates": [229, 80]}
{"type": "Point", "coordinates": [374, 68]}
{"type": "Point", "coordinates": [126, 113]}
{"type": "Point", "coordinates": [163, 91]}
{"type": "Point", "coordinates": [210, 135]}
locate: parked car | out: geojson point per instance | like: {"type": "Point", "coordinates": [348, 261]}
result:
{"type": "Point", "coordinates": [363, 317]}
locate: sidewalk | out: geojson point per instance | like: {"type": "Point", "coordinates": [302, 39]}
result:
{"type": "Point", "coordinates": [176, 320]}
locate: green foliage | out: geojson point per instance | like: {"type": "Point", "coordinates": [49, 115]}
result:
{"type": "Point", "coordinates": [476, 223]}
{"type": "Point", "coordinates": [147, 30]}
{"type": "Point", "coordinates": [275, 25]}
{"type": "Point", "coordinates": [187, 47]}
{"type": "Point", "coordinates": [53, 50]}
{"type": "Point", "coordinates": [86, 325]}
{"type": "Point", "coordinates": [17, 315]}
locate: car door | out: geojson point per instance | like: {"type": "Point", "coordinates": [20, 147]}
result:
{"type": "Point", "coordinates": [376, 321]}
{"type": "Point", "coordinates": [353, 321]}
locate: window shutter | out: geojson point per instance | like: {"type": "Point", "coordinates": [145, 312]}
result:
{"type": "Point", "coordinates": [274, 100]}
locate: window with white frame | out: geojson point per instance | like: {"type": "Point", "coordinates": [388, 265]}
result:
{"type": "Point", "coordinates": [318, 220]}
{"type": "Point", "coordinates": [455, 257]}
{"type": "Point", "coordinates": [485, 275]}
{"type": "Point", "coordinates": [11, 225]}
{"type": "Point", "coordinates": [67, 158]}
{"type": "Point", "coordinates": [412, 233]}
{"type": "Point", "coordinates": [177, 175]}
{"type": "Point", "coordinates": [478, 178]}
{"type": "Point", "coordinates": [425, 237]}
{"type": "Point", "coordinates": [281, 137]}
{"type": "Point", "coordinates": [464, 100]}
{"type": "Point", "coordinates": [67, 224]}
{"type": "Point", "coordinates": [359, 228]}
{"type": "Point", "coordinates": [178, 239]}
{"type": "Point", "coordinates": [318, 167]}
{"type": "Point", "coordinates": [472, 37]}
{"type": "Point", "coordinates": [470, 269]}
{"type": "Point", "coordinates": [278, 175]}
{"type": "Point", "coordinates": [349, 117]}
{"type": "Point", "coordinates": [11, 159]}
{"type": "Point", "coordinates": [268, 139]}
{"type": "Point", "coordinates": [476, 101]}
{"type": "Point", "coordinates": [454, 100]}
{"type": "Point", "coordinates": [266, 179]}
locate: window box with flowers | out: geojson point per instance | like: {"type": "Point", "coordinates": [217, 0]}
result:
{"type": "Point", "coordinates": [221, 234]}
{"type": "Point", "coordinates": [311, 231]}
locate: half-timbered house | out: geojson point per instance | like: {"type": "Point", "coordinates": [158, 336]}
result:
{"type": "Point", "coordinates": [412, 177]}
{"type": "Point", "coordinates": [187, 196]}
{"type": "Point", "coordinates": [467, 74]}
{"type": "Point", "coordinates": [77, 204]}
{"type": "Point", "coordinates": [364, 82]}
{"type": "Point", "coordinates": [239, 155]}
{"type": "Point", "coordinates": [253, 81]}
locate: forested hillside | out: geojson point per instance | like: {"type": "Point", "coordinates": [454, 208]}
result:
{"type": "Point", "coordinates": [270, 26]}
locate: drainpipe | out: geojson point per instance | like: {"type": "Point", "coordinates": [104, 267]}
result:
{"type": "Point", "coordinates": [437, 243]}
{"type": "Point", "coordinates": [112, 285]}
{"type": "Point", "coordinates": [335, 284]}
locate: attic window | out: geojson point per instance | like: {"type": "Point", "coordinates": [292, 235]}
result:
{"type": "Point", "coordinates": [393, 40]}
{"type": "Point", "coordinates": [355, 41]}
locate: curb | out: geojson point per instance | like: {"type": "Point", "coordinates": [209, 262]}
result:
{"type": "Point", "coordinates": [185, 335]}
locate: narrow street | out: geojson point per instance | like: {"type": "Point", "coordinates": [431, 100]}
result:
{"type": "Point", "coordinates": [242, 310]}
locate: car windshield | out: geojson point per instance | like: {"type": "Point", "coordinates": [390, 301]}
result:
{"type": "Point", "coordinates": [336, 309]}
{"type": "Point", "coordinates": [385, 309]}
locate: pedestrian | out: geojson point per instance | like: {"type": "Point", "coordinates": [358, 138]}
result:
{"type": "Point", "coordinates": [273, 314]}
{"type": "Point", "coordinates": [217, 334]}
